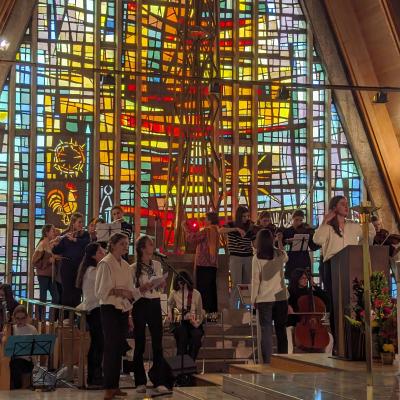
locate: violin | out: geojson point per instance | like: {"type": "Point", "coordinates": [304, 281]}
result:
{"type": "Point", "coordinates": [310, 333]}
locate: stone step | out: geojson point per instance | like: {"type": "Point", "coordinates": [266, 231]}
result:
{"type": "Point", "coordinates": [201, 393]}
{"type": "Point", "coordinates": [219, 353]}
{"type": "Point", "coordinates": [217, 365]}
{"type": "Point", "coordinates": [208, 379]}
{"type": "Point", "coordinates": [217, 329]}
{"type": "Point", "coordinates": [232, 341]}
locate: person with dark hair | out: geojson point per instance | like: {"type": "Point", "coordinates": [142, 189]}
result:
{"type": "Point", "coordinates": [206, 260]}
{"type": "Point", "coordinates": [147, 310]}
{"type": "Point", "coordinates": [92, 230]}
{"type": "Point", "coordinates": [43, 264]}
{"type": "Point", "coordinates": [187, 333]}
{"type": "Point", "coordinates": [117, 215]}
{"type": "Point", "coordinates": [71, 247]}
{"type": "Point", "coordinates": [334, 234]}
{"type": "Point", "coordinates": [115, 291]}
{"type": "Point", "coordinates": [298, 253]}
{"type": "Point", "coordinates": [268, 292]}
{"type": "Point", "coordinates": [7, 297]}
{"type": "Point", "coordinates": [240, 250]}
{"type": "Point", "coordinates": [264, 221]}
{"type": "Point", "coordinates": [20, 365]}
{"type": "Point", "coordinates": [86, 280]}
{"type": "Point", "coordinates": [299, 286]}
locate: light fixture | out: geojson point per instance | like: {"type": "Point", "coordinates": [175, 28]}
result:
{"type": "Point", "coordinates": [283, 94]}
{"type": "Point", "coordinates": [380, 98]}
{"type": "Point", "coordinates": [4, 44]}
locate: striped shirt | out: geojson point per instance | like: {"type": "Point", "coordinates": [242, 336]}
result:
{"type": "Point", "coordinates": [238, 246]}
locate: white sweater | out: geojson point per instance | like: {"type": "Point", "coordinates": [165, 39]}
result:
{"type": "Point", "coordinates": [90, 301]}
{"type": "Point", "coordinates": [268, 282]}
{"type": "Point", "coordinates": [332, 243]}
{"type": "Point", "coordinates": [113, 274]}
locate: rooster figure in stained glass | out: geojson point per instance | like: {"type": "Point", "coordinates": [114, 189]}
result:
{"type": "Point", "coordinates": [56, 201]}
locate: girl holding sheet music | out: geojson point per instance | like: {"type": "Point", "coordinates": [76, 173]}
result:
{"type": "Point", "coordinates": [299, 237]}
{"type": "Point", "coordinates": [147, 310]}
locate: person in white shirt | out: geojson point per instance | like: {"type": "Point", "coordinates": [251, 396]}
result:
{"type": "Point", "coordinates": [268, 291]}
{"type": "Point", "coordinates": [147, 310]}
{"type": "Point", "coordinates": [115, 291]}
{"type": "Point", "coordinates": [334, 234]}
{"type": "Point", "coordinates": [21, 365]}
{"type": "Point", "coordinates": [187, 333]}
{"type": "Point", "coordinates": [85, 280]}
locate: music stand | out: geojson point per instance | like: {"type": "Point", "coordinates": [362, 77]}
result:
{"type": "Point", "coordinates": [29, 346]}
{"type": "Point", "coordinates": [104, 231]}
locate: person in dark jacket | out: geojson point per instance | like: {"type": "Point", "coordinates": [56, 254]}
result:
{"type": "Point", "coordinates": [7, 301]}
{"type": "Point", "coordinates": [71, 247]}
{"type": "Point", "coordinates": [298, 258]}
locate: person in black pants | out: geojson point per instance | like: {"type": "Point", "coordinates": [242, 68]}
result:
{"type": "Point", "coordinates": [147, 310]}
{"type": "Point", "coordinates": [71, 247]}
{"type": "Point", "coordinates": [86, 279]}
{"type": "Point", "coordinates": [189, 332]}
{"type": "Point", "coordinates": [301, 258]}
{"type": "Point", "coordinates": [115, 291]}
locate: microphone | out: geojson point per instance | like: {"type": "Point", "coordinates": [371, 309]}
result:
{"type": "Point", "coordinates": [158, 254]}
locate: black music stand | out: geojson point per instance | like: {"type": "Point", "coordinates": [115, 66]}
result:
{"type": "Point", "coordinates": [29, 346]}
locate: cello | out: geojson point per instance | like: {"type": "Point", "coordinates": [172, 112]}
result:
{"type": "Point", "coordinates": [310, 333]}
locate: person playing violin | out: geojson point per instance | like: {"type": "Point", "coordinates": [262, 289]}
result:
{"type": "Point", "coordinates": [71, 247]}
{"type": "Point", "coordinates": [298, 259]}
{"type": "Point", "coordinates": [384, 238]}
{"type": "Point", "coordinates": [264, 221]}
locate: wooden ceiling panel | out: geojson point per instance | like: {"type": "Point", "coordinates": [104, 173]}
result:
{"type": "Point", "coordinates": [6, 7]}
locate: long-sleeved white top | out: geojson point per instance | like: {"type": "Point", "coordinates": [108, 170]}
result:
{"type": "Point", "coordinates": [196, 307]}
{"type": "Point", "coordinates": [113, 274]}
{"type": "Point", "coordinates": [90, 301]}
{"type": "Point", "coordinates": [268, 282]}
{"type": "Point", "coordinates": [145, 277]}
{"type": "Point", "coordinates": [332, 243]}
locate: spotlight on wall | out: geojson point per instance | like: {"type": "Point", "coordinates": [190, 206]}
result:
{"type": "Point", "coordinates": [283, 94]}
{"type": "Point", "coordinates": [380, 98]}
{"type": "Point", "coordinates": [4, 44]}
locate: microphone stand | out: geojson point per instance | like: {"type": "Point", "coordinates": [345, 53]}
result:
{"type": "Point", "coordinates": [176, 273]}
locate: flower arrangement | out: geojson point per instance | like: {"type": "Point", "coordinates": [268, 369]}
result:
{"type": "Point", "coordinates": [383, 311]}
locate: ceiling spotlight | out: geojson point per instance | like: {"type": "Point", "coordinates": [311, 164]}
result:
{"type": "Point", "coordinates": [380, 98]}
{"type": "Point", "coordinates": [283, 94]}
{"type": "Point", "coordinates": [4, 44]}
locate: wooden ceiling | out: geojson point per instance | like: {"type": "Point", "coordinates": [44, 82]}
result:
{"type": "Point", "coordinates": [367, 32]}
{"type": "Point", "coordinates": [5, 10]}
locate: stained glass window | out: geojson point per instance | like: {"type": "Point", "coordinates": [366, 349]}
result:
{"type": "Point", "coordinates": [120, 99]}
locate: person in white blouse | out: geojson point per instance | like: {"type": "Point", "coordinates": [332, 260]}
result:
{"type": "Point", "coordinates": [115, 291]}
{"type": "Point", "coordinates": [23, 364]}
{"type": "Point", "coordinates": [86, 280]}
{"type": "Point", "coordinates": [334, 234]}
{"type": "Point", "coordinates": [147, 311]}
{"type": "Point", "coordinates": [268, 291]}
{"type": "Point", "coordinates": [187, 333]}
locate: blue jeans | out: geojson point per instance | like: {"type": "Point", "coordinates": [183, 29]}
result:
{"type": "Point", "coordinates": [276, 311]}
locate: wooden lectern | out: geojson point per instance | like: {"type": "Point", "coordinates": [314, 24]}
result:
{"type": "Point", "coordinates": [345, 266]}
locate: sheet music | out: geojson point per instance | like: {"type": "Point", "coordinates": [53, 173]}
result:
{"type": "Point", "coordinates": [104, 231]}
{"type": "Point", "coordinates": [300, 242]}
{"type": "Point", "coordinates": [157, 281]}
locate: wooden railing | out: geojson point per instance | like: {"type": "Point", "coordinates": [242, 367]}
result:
{"type": "Point", "coordinates": [71, 343]}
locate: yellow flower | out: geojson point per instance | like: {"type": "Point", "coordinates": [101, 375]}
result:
{"type": "Point", "coordinates": [374, 324]}
{"type": "Point", "coordinates": [388, 348]}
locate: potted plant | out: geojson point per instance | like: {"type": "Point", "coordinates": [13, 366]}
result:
{"type": "Point", "coordinates": [383, 316]}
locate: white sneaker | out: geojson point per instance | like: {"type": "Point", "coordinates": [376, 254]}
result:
{"type": "Point", "coordinates": [162, 389]}
{"type": "Point", "coordinates": [141, 389]}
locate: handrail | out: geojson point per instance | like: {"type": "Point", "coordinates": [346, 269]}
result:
{"type": "Point", "coordinates": [47, 304]}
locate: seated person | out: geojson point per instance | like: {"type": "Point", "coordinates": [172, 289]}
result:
{"type": "Point", "coordinates": [298, 286]}
{"type": "Point", "coordinates": [23, 364]}
{"type": "Point", "coordinates": [188, 334]}
{"type": "Point", "coordinates": [7, 303]}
